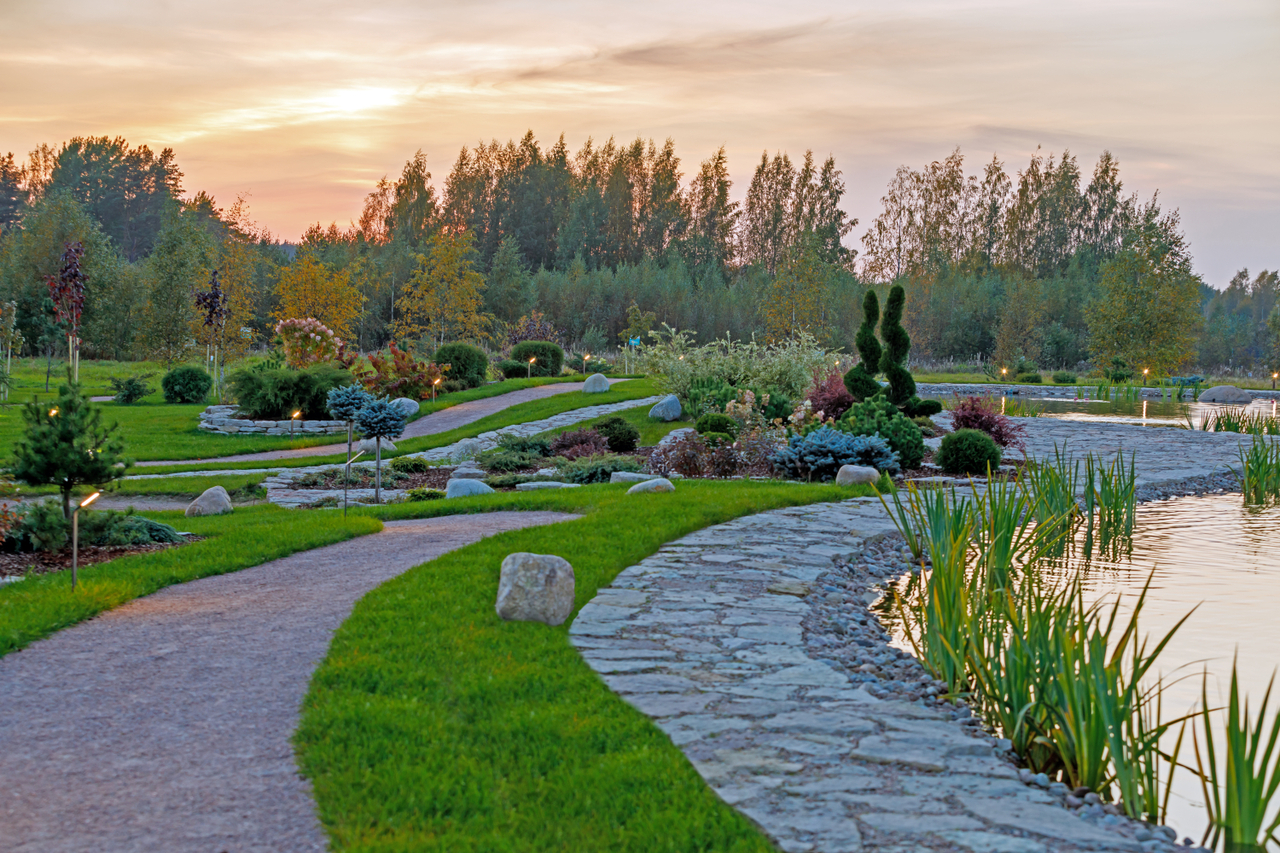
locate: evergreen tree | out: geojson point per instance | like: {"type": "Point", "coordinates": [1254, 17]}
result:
{"type": "Point", "coordinates": [897, 346]}
{"type": "Point", "coordinates": [13, 195]}
{"type": "Point", "coordinates": [861, 378]}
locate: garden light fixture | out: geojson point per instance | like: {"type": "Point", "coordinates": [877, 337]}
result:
{"type": "Point", "coordinates": [346, 477]}
{"type": "Point", "coordinates": [434, 383]}
{"type": "Point", "coordinates": [531, 361]}
{"type": "Point", "coordinates": [1145, 371]}
{"type": "Point", "coordinates": [1274, 377]}
{"type": "Point", "coordinates": [293, 419]}
{"type": "Point", "coordinates": [53, 413]}
{"type": "Point", "coordinates": [75, 536]}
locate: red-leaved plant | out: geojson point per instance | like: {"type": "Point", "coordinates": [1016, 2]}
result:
{"type": "Point", "coordinates": [399, 374]}
{"type": "Point", "coordinates": [829, 395]}
{"type": "Point", "coordinates": [578, 443]}
{"type": "Point", "coordinates": [982, 413]}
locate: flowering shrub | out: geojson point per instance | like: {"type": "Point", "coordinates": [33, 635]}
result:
{"type": "Point", "coordinates": [399, 374]}
{"type": "Point", "coordinates": [820, 454]}
{"type": "Point", "coordinates": [307, 342]}
{"type": "Point", "coordinates": [981, 413]}
{"type": "Point", "coordinates": [533, 326]}
{"type": "Point", "coordinates": [693, 456]}
{"type": "Point", "coordinates": [829, 398]}
{"type": "Point", "coordinates": [578, 443]}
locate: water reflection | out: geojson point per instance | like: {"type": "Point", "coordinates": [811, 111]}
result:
{"type": "Point", "coordinates": [1146, 412]}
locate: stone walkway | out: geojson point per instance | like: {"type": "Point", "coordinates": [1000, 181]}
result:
{"type": "Point", "coordinates": [432, 424]}
{"type": "Point", "coordinates": [164, 725]}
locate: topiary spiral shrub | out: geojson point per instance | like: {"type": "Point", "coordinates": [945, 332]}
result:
{"type": "Point", "coordinates": [820, 454]}
{"type": "Point", "coordinates": [579, 442]}
{"type": "Point", "coordinates": [968, 451]}
{"type": "Point", "coordinates": [878, 416]}
{"type": "Point", "coordinates": [467, 364]}
{"type": "Point", "coordinates": [549, 358]}
{"type": "Point", "coordinates": [861, 380]}
{"type": "Point", "coordinates": [186, 384]}
{"type": "Point", "coordinates": [716, 422]}
{"type": "Point", "coordinates": [619, 433]}
{"type": "Point", "coordinates": [897, 346]}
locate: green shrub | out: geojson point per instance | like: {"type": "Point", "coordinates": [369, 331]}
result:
{"type": "Point", "coordinates": [1033, 378]}
{"type": "Point", "coordinates": [116, 528]}
{"type": "Point", "coordinates": [186, 384]}
{"type": "Point", "coordinates": [1064, 377]}
{"type": "Point", "coordinates": [897, 346]}
{"type": "Point", "coordinates": [968, 451]}
{"type": "Point", "coordinates": [536, 445]}
{"type": "Point", "coordinates": [131, 390]}
{"type": "Point", "coordinates": [927, 427]}
{"type": "Point", "coordinates": [40, 527]}
{"type": "Point", "coordinates": [709, 394]}
{"type": "Point", "coordinates": [861, 380]}
{"type": "Point", "coordinates": [449, 386]}
{"type": "Point", "coordinates": [550, 358]}
{"type": "Point", "coordinates": [275, 394]}
{"type": "Point", "coordinates": [503, 460]}
{"type": "Point", "coordinates": [715, 422]}
{"type": "Point", "coordinates": [779, 405]}
{"type": "Point", "coordinates": [595, 469]}
{"type": "Point", "coordinates": [512, 369]}
{"type": "Point", "coordinates": [467, 364]}
{"type": "Point", "coordinates": [424, 494]}
{"type": "Point", "coordinates": [918, 408]}
{"type": "Point", "coordinates": [716, 439]}
{"type": "Point", "coordinates": [411, 465]}
{"type": "Point", "coordinates": [507, 481]}
{"type": "Point", "coordinates": [1120, 371]}
{"type": "Point", "coordinates": [878, 416]}
{"type": "Point", "coordinates": [621, 436]}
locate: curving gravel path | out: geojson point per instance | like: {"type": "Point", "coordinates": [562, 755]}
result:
{"type": "Point", "coordinates": [164, 725]}
{"type": "Point", "coordinates": [432, 424]}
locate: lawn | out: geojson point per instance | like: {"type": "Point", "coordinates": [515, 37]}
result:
{"type": "Point", "coordinates": [432, 724]}
{"type": "Point", "coordinates": [250, 536]}
{"type": "Point", "coordinates": [185, 487]}
{"type": "Point", "coordinates": [651, 431]}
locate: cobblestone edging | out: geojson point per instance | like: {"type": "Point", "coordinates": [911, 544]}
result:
{"type": "Point", "coordinates": [219, 419]}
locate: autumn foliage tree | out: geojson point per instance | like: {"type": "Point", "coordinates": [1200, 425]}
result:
{"type": "Point", "coordinates": [443, 300]}
{"type": "Point", "coordinates": [309, 288]}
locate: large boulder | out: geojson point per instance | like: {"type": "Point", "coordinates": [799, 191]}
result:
{"type": "Point", "coordinates": [595, 384]}
{"type": "Point", "coordinates": [466, 488]}
{"type": "Point", "coordinates": [667, 409]}
{"type": "Point", "coordinates": [369, 446]}
{"type": "Point", "coordinates": [404, 404]}
{"type": "Point", "coordinates": [467, 471]}
{"type": "Point", "coordinates": [535, 588]}
{"type": "Point", "coordinates": [214, 501]}
{"type": "Point", "coordinates": [466, 449]}
{"type": "Point", "coordinates": [852, 475]}
{"type": "Point", "coordinates": [630, 477]}
{"type": "Point", "coordinates": [661, 484]}
{"type": "Point", "coordinates": [538, 486]}
{"type": "Point", "coordinates": [1226, 394]}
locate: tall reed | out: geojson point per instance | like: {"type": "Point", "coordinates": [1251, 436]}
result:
{"type": "Point", "coordinates": [1238, 420]}
{"type": "Point", "coordinates": [1110, 490]}
{"type": "Point", "coordinates": [1259, 474]}
{"type": "Point", "coordinates": [1053, 488]}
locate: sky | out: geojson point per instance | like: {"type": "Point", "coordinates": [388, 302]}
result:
{"type": "Point", "coordinates": [303, 106]}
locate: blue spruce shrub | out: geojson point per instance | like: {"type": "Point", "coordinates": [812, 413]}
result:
{"type": "Point", "coordinates": [380, 419]}
{"type": "Point", "coordinates": [820, 454]}
{"type": "Point", "coordinates": [345, 402]}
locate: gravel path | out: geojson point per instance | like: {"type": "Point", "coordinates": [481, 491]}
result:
{"type": "Point", "coordinates": [164, 725]}
{"type": "Point", "coordinates": [436, 422]}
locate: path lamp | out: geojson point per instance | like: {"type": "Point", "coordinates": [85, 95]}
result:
{"type": "Point", "coordinates": [75, 535]}
{"type": "Point", "coordinates": [293, 419]}
{"type": "Point", "coordinates": [1274, 377]}
{"type": "Point", "coordinates": [53, 413]}
{"type": "Point", "coordinates": [346, 478]}
{"type": "Point", "coordinates": [585, 358]}
{"type": "Point", "coordinates": [433, 389]}
{"type": "Point", "coordinates": [1145, 371]}
{"type": "Point", "coordinates": [531, 361]}
{"type": "Point", "coordinates": [1004, 371]}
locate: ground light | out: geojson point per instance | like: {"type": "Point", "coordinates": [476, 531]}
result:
{"type": "Point", "coordinates": [293, 419]}
{"type": "Point", "coordinates": [531, 361]}
{"type": "Point", "coordinates": [434, 383]}
{"type": "Point", "coordinates": [1274, 377]}
{"type": "Point", "coordinates": [53, 413]}
{"type": "Point", "coordinates": [1145, 371]}
{"type": "Point", "coordinates": [346, 476]}
{"type": "Point", "coordinates": [75, 535]}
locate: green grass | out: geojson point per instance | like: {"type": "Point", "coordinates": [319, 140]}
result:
{"type": "Point", "coordinates": [176, 486]}
{"type": "Point", "coordinates": [250, 536]}
{"type": "Point", "coordinates": [651, 431]}
{"type": "Point", "coordinates": [432, 724]}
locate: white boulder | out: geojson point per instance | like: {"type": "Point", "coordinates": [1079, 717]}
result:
{"type": "Point", "coordinates": [630, 477]}
{"type": "Point", "coordinates": [666, 409]}
{"type": "Point", "coordinates": [214, 501]}
{"type": "Point", "coordinates": [466, 449]}
{"type": "Point", "coordinates": [404, 404]}
{"type": "Point", "coordinates": [1226, 394]}
{"type": "Point", "coordinates": [661, 484]}
{"type": "Point", "coordinates": [466, 488]}
{"type": "Point", "coordinates": [535, 588]}
{"type": "Point", "coordinates": [538, 486]}
{"type": "Point", "coordinates": [852, 475]}
{"type": "Point", "coordinates": [595, 384]}
{"type": "Point", "coordinates": [369, 445]}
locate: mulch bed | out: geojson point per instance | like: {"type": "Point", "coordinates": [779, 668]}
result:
{"type": "Point", "coordinates": [47, 562]}
{"type": "Point", "coordinates": [436, 478]}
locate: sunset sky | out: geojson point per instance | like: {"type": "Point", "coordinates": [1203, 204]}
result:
{"type": "Point", "coordinates": [305, 105]}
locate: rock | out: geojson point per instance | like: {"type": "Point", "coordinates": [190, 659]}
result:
{"type": "Point", "coordinates": [797, 588]}
{"type": "Point", "coordinates": [595, 384]}
{"type": "Point", "coordinates": [666, 409]}
{"type": "Point", "coordinates": [850, 475]}
{"type": "Point", "coordinates": [1226, 394]}
{"type": "Point", "coordinates": [535, 588]}
{"type": "Point", "coordinates": [404, 404]}
{"type": "Point", "coordinates": [466, 488]}
{"type": "Point", "coordinates": [466, 448]}
{"type": "Point", "coordinates": [533, 487]}
{"type": "Point", "coordinates": [368, 446]}
{"type": "Point", "coordinates": [214, 501]}
{"type": "Point", "coordinates": [467, 472]}
{"type": "Point", "coordinates": [661, 484]}
{"type": "Point", "coordinates": [630, 477]}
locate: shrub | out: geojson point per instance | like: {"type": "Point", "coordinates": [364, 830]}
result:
{"type": "Point", "coordinates": [399, 374]}
{"type": "Point", "coordinates": [275, 394]}
{"type": "Point", "coordinates": [694, 456]}
{"type": "Point", "coordinates": [307, 342]}
{"type": "Point", "coordinates": [716, 439]}
{"type": "Point", "coordinates": [512, 369]}
{"type": "Point", "coordinates": [709, 394]}
{"type": "Point", "coordinates": [549, 357]}
{"type": "Point", "coordinates": [829, 395]}
{"type": "Point", "coordinates": [820, 454]}
{"type": "Point", "coordinates": [467, 364]}
{"type": "Point", "coordinates": [968, 451]}
{"type": "Point", "coordinates": [39, 527]}
{"type": "Point", "coordinates": [980, 413]}
{"type": "Point", "coordinates": [595, 469]}
{"type": "Point", "coordinates": [424, 494]}
{"type": "Point", "coordinates": [579, 442]}
{"type": "Point", "coordinates": [1064, 377]}
{"type": "Point", "coordinates": [506, 460]}
{"type": "Point", "coordinates": [619, 434]}
{"type": "Point", "coordinates": [1120, 371]}
{"type": "Point", "coordinates": [411, 465]}
{"type": "Point", "coordinates": [594, 364]}
{"type": "Point", "coordinates": [918, 408]}
{"type": "Point", "coordinates": [536, 445]}
{"type": "Point", "coordinates": [116, 528]}
{"type": "Point", "coordinates": [449, 386]}
{"type": "Point", "coordinates": [897, 346]}
{"type": "Point", "coordinates": [861, 380]}
{"type": "Point", "coordinates": [878, 416]}
{"type": "Point", "coordinates": [787, 366]}
{"type": "Point", "coordinates": [714, 422]}
{"type": "Point", "coordinates": [131, 390]}
{"type": "Point", "coordinates": [777, 406]}
{"type": "Point", "coordinates": [927, 427]}
{"type": "Point", "coordinates": [186, 384]}
{"type": "Point", "coordinates": [1033, 378]}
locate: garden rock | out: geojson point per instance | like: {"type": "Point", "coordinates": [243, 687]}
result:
{"type": "Point", "coordinates": [466, 488]}
{"type": "Point", "coordinates": [467, 448]}
{"type": "Point", "coordinates": [369, 445]}
{"type": "Point", "coordinates": [660, 484]}
{"type": "Point", "coordinates": [467, 472]}
{"type": "Point", "coordinates": [850, 475]}
{"type": "Point", "coordinates": [595, 384]}
{"type": "Point", "coordinates": [630, 477]}
{"type": "Point", "coordinates": [667, 409]}
{"type": "Point", "coordinates": [214, 501]}
{"type": "Point", "coordinates": [535, 588]}
{"type": "Point", "coordinates": [1226, 394]}
{"type": "Point", "coordinates": [404, 404]}
{"type": "Point", "coordinates": [533, 487]}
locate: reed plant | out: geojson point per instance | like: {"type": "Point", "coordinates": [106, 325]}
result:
{"type": "Point", "coordinates": [1053, 487]}
{"type": "Point", "coordinates": [1242, 779]}
{"type": "Point", "coordinates": [1259, 473]}
{"type": "Point", "coordinates": [1022, 409]}
{"type": "Point", "coordinates": [1110, 500]}
{"type": "Point", "coordinates": [1238, 420]}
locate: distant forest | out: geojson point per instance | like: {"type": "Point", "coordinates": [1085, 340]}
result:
{"type": "Point", "coordinates": [998, 266]}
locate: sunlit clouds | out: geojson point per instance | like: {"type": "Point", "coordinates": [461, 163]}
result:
{"type": "Point", "coordinates": [306, 105]}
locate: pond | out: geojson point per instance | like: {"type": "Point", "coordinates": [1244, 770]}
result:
{"type": "Point", "coordinates": [1145, 412]}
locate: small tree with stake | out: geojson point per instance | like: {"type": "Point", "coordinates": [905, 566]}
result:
{"type": "Point", "coordinates": [344, 404]}
{"type": "Point", "coordinates": [379, 420]}
{"type": "Point", "coordinates": [66, 289]}
{"type": "Point", "coordinates": [66, 445]}
{"type": "Point", "coordinates": [213, 306]}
